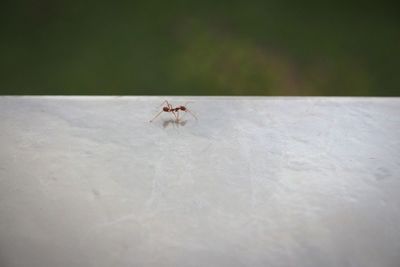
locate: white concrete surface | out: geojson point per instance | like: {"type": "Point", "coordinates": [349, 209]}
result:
{"type": "Point", "coordinates": [88, 181]}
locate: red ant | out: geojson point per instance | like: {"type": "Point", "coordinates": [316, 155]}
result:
{"type": "Point", "coordinates": [173, 110]}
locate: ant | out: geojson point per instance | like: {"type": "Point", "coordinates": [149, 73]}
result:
{"type": "Point", "coordinates": [173, 110]}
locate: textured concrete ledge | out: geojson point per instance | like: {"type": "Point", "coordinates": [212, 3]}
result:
{"type": "Point", "coordinates": [88, 181]}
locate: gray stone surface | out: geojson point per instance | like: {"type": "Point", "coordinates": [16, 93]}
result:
{"type": "Point", "coordinates": [88, 181]}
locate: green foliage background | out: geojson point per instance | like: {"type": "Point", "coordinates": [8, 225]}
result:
{"type": "Point", "coordinates": [200, 47]}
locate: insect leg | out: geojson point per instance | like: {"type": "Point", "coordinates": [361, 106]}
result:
{"type": "Point", "coordinates": [191, 113]}
{"type": "Point", "coordinates": [187, 103]}
{"type": "Point", "coordinates": [173, 113]}
{"type": "Point", "coordinates": [165, 102]}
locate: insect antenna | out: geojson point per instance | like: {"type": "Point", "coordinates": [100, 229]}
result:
{"type": "Point", "coordinates": [159, 113]}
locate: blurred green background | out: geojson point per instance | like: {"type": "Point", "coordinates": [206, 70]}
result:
{"type": "Point", "coordinates": [200, 47]}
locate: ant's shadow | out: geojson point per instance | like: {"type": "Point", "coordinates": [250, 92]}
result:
{"type": "Point", "coordinates": [174, 123]}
